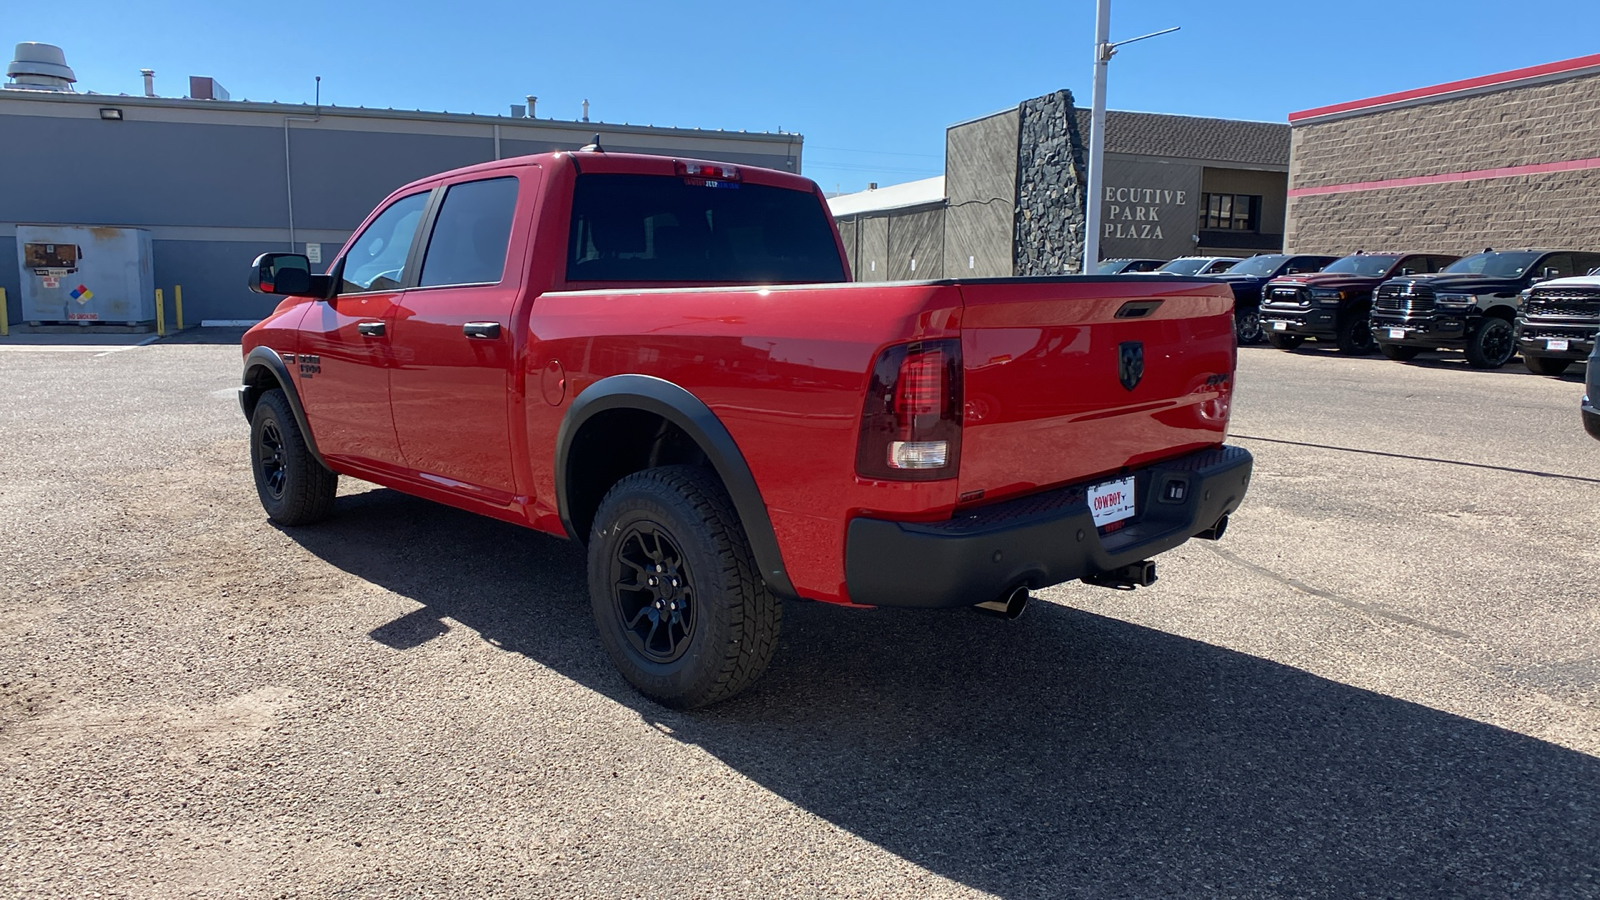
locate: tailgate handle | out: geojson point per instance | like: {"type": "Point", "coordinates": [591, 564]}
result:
{"type": "Point", "coordinates": [1137, 309]}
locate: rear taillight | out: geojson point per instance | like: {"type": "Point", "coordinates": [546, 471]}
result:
{"type": "Point", "coordinates": [911, 423]}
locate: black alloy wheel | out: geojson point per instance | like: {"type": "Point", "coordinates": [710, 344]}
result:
{"type": "Point", "coordinates": [1492, 345]}
{"type": "Point", "coordinates": [1247, 324]}
{"type": "Point", "coordinates": [653, 592]}
{"type": "Point", "coordinates": [274, 468]}
{"type": "Point", "coordinates": [1355, 334]}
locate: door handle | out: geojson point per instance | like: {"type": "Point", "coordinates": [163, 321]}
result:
{"type": "Point", "coordinates": [485, 330]}
{"type": "Point", "coordinates": [370, 329]}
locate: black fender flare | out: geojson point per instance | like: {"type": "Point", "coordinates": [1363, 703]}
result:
{"type": "Point", "coordinates": [686, 411]}
{"type": "Point", "coordinates": [268, 359]}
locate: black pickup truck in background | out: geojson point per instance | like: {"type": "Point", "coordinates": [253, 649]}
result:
{"type": "Point", "coordinates": [1557, 325]}
{"type": "Point", "coordinates": [1335, 303]}
{"type": "Point", "coordinates": [1249, 277]}
{"type": "Point", "coordinates": [1472, 305]}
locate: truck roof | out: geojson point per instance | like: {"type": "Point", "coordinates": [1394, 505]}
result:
{"type": "Point", "coordinates": [608, 161]}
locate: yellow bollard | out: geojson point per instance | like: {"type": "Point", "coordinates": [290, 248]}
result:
{"type": "Point", "coordinates": [161, 314]}
{"type": "Point", "coordinates": [5, 317]}
{"type": "Point", "coordinates": [177, 304]}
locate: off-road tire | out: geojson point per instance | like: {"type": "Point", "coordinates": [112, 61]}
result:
{"type": "Point", "coordinates": [294, 488]}
{"type": "Point", "coordinates": [1355, 335]}
{"type": "Point", "coordinates": [1545, 365]}
{"type": "Point", "coordinates": [1591, 424]}
{"type": "Point", "coordinates": [1285, 341]}
{"type": "Point", "coordinates": [732, 618]}
{"type": "Point", "coordinates": [1399, 352]}
{"type": "Point", "coordinates": [1247, 324]}
{"type": "Point", "coordinates": [1492, 345]}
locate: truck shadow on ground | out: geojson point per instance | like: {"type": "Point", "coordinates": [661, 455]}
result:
{"type": "Point", "coordinates": [1062, 754]}
{"type": "Point", "coordinates": [1437, 359]}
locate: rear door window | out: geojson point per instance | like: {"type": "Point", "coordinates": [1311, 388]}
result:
{"type": "Point", "coordinates": [651, 228]}
{"type": "Point", "coordinates": [1556, 265]}
{"type": "Point", "coordinates": [470, 234]}
{"type": "Point", "coordinates": [1584, 262]}
{"type": "Point", "coordinates": [376, 260]}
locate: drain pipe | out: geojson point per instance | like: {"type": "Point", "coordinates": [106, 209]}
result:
{"type": "Point", "coordinates": [288, 166]}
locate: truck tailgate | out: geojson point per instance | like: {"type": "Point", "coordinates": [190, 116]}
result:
{"type": "Point", "coordinates": [1068, 379]}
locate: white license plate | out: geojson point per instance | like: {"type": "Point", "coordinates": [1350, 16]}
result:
{"type": "Point", "coordinates": [1397, 333]}
{"type": "Point", "coordinates": [1555, 345]}
{"type": "Point", "coordinates": [1280, 326]}
{"type": "Point", "coordinates": [1112, 501]}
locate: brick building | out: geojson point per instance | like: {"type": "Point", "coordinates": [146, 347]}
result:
{"type": "Point", "coordinates": [1507, 160]}
{"type": "Point", "coordinates": [1012, 199]}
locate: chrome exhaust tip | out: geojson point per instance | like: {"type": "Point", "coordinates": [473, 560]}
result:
{"type": "Point", "coordinates": [1214, 533]}
{"type": "Point", "coordinates": [1010, 605]}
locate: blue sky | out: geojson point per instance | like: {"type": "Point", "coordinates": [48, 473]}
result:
{"type": "Point", "coordinates": [871, 86]}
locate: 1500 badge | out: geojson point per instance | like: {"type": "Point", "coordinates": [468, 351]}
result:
{"type": "Point", "coordinates": [309, 365]}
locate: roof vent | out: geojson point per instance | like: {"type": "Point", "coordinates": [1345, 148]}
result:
{"type": "Point", "coordinates": [39, 67]}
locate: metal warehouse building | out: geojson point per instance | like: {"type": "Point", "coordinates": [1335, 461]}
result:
{"type": "Point", "coordinates": [215, 182]}
{"type": "Point", "coordinates": [1507, 160]}
{"type": "Point", "coordinates": [1011, 201]}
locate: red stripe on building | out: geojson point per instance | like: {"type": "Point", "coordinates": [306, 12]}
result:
{"type": "Point", "coordinates": [1483, 81]}
{"type": "Point", "coordinates": [1572, 165]}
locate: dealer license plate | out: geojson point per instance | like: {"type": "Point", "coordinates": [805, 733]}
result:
{"type": "Point", "coordinates": [1280, 326]}
{"type": "Point", "coordinates": [1112, 501]}
{"type": "Point", "coordinates": [1397, 333]}
{"type": "Point", "coordinates": [1555, 345]}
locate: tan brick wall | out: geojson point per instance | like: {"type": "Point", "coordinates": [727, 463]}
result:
{"type": "Point", "coordinates": [1560, 210]}
{"type": "Point", "coordinates": [1541, 123]}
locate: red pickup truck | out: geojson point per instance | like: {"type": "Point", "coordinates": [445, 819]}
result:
{"type": "Point", "coordinates": [663, 358]}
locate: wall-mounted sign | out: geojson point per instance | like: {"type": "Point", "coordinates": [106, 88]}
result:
{"type": "Point", "coordinates": [313, 252]}
{"type": "Point", "coordinates": [1149, 210]}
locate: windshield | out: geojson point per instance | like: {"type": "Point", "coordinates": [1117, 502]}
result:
{"type": "Point", "coordinates": [655, 228]}
{"type": "Point", "coordinates": [1258, 265]}
{"type": "Point", "coordinates": [1371, 265]}
{"type": "Point", "coordinates": [1110, 266]}
{"type": "Point", "coordinates": [1183, 266]}
{"type": "Point", "coordinates": [1494, 265]}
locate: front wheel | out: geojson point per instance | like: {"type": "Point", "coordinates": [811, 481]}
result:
{"type": "Point", "coordinates": [1355, 334]}
{"type": "Point", "coordinates": [1492, 345]}
{"type": "Point", "coordinates": [1399, 352]}
{"type": "Point", "coordinates": [1285, 341]}
{"type": "Point", "coordinates": [1545, 365]}
{"type": "Point", "coordinates": [294, 488]}
{"type": "Point", "coordinates": [677, 596]}
{"type": "Point", "coordinates": [1247, 324]}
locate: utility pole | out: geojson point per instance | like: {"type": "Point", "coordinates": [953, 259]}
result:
{"type": "Point", "coordinates": [1103, 51]}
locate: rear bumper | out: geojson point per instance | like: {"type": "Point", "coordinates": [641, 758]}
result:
{"type": "Point", "coordinates": [1039, 540]}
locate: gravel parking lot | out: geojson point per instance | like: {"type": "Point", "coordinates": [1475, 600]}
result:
{"type": "Point", "coordinates": [1382, 682]}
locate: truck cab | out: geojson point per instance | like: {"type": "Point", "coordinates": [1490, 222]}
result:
{"type": "Point", "coordinates": [1471, 305]}
{"type": "Point", "coordinates": [1334, 304]}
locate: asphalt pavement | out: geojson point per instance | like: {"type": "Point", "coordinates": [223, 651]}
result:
{"type": "Point", "coordinates": [1382, 682]}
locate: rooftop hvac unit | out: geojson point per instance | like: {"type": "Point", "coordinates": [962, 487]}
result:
{"type": "Point", "coordinates": [86, 275]}
{"type": "Point", "coordinates": [39, 67]}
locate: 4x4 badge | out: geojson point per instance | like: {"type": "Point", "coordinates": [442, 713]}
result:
{"type": "Point", "coordinates": [1130, 363]}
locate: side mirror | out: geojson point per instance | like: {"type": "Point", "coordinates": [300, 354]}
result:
{"type": "Point", "coordinates": [287, 274]}
{"type": "Point", "coordinates": [1407, 272]}
{"type": "Point", "coordinates": [1549, 273]}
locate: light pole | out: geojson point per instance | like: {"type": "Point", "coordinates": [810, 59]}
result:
{"type": "Point", "coordinates": [1103, 51]}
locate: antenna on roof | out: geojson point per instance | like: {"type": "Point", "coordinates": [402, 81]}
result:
{"type": "Point", "coordinates": [593, 146]}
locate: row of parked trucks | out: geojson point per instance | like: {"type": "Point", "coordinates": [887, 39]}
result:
{"type": "Point", "coordinates": [1491, 304]}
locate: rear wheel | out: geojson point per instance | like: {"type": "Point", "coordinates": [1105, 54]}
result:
{"type": "Point", "coordinates": [1285, 341]}
{"type": "Point", "coordinates": [1399, 352]}
{"type": "Point", "coordinates": [1247, 324]}
{"type": "Point", "coordinates": [294, 488]}
{"type": "Point", "coordinates": [1492, 345]}
{"type": "Point", "coordinates": [1355, 334]}
{"type": "Point", "coordinates": [1591, 424]}
{"type": "Point", "coordinates": [678, 599]}
{"type": "Point", "coordinates": [1545, 365]}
